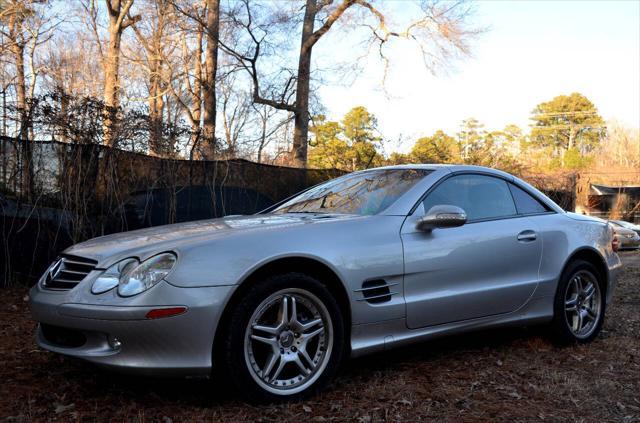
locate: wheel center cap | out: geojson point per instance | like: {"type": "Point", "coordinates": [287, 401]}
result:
{"type": "Point", "coordinates": [286, 338]}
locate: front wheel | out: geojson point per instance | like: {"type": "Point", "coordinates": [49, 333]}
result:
{"type": "Point", "coordinates": [285, 339]}
{"type": "Point", "coordinates": [579, 304]}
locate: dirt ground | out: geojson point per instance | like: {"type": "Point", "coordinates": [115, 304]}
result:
{"type": "Point", "coordinates": [514, 375]}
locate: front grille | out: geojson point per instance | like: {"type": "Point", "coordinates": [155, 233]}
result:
{"type": "Point", "coordinates": [62, 337]}
{"type": "Point", "coordinates": [67, 272]}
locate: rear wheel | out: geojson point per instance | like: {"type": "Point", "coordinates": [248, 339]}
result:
{"type": "Point", "coordinates": [579, 304]}
{"type": "Point", "coordinates": [285, 339]}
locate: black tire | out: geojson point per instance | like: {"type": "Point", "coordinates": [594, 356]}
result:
{"type": "Point", "coordinates": [560, 327]}
{"type": "Point", "coordinates": [233, 355]}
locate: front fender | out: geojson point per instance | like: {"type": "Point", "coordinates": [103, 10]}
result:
{"type": "Point", "coordinates": [356, 250]}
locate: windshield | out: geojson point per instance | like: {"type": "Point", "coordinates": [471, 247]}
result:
{"type": "Point", "coordinates": [363, 193]}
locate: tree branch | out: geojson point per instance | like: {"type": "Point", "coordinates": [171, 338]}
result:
{"type": "Point", "coordinates": [333, 17]}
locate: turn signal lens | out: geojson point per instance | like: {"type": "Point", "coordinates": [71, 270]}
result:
{"type": "Point", "coordinates": [159, 313]}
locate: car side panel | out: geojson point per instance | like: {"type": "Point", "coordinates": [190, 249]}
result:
{"type": "Point", "coordinates": [563, 235]}
{"type": "Point", "coordinates": [472, 271]}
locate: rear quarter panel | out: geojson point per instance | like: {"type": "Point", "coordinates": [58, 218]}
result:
{"type": "Point", "coordinates": [565, 234]}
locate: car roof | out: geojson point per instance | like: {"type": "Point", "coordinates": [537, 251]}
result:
{"type": "Point", "coordinates": [439, 169]}
{"type": "Point", "coordinates": [432, 166]}
{"type": "Point", "coordinates": [447, 167]}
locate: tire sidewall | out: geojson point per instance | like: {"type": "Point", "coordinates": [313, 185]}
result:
{"type": "Point", "coordinates": [234, 356]}
{"type": "Point", "coordinates": [562, 331]}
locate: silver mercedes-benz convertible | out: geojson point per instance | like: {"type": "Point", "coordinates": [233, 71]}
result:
{"type": "Point", "coordinates": [362, 263]}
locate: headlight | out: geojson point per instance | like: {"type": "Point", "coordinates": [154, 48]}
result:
{"type": "Point", "coordinates": [148, 273]}
{"type": "Point", "coordinates": [110, 278]}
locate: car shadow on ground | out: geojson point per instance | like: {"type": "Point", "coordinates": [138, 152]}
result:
{"type": "Point", "coordinates": [100, 383]}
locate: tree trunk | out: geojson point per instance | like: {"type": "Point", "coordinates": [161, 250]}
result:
{"type": "Point", "coordinates": [227, 133]}
{"type": "Point", "coordinates": [156, 107]}
{"type": "Point", "coordinates": [17, 49]}
{"type": "Point", "coordinates": [152, 43]}
{"type": "Point", "coordinates": [21, 89]}
{"type": "Point", "coordinates": [301, 115]}
{"type": "Point", "coordinates": [263, 140]}
{"type": "Point", "coordinates": [118, 22]}
{"type": "Point", "coordinates": [211, 64]}
{"type": "Point", "coordinates": [4, 112]}
{"type": "Point", "coordinates": [64, 106]}
{"type": "Point", "coordinates": [196, 95]}
{"type": "Point", "coordinates": [111, 82]}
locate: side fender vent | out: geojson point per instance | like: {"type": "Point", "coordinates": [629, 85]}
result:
{"type": "Point", "coordinates": [376, 291]}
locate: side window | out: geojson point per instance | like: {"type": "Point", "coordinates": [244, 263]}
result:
{"type": "Point", "coordinates": [525, 203]}
{"type": "Point", "coordinates": [481, 197]}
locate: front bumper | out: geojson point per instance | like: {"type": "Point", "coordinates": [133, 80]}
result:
{"type": "Point", "coordinates": [177, 345]}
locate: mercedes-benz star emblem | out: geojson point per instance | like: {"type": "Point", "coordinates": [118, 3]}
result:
{"type": "Point", "coordinates": [55, 269]}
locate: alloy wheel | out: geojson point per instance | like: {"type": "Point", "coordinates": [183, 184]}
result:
{"type": "Point", "coordinates": [288, 341]}
{"type": "Point", "coordinates": [582, 304]}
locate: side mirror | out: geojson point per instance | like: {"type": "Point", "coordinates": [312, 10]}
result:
{"type": "Point", "coordinates": [442, 216]}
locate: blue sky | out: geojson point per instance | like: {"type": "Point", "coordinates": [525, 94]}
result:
{"type": "Point", "coordinates": [533, 51]}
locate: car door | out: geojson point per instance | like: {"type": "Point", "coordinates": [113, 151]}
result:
{"type": "Point", "coordinates": [486, 267]}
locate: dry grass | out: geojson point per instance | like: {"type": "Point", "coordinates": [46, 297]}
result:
{"type": "Point", "coordinates": [514, 375]}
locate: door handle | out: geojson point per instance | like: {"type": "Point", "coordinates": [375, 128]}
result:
{"type": "Point", "coordinates": [527, 236]}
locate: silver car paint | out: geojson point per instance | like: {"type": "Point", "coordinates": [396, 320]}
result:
{"type": "Point", "coordinates": [628, 238]}
{"type": "Point", "coordinates": [460, 273]}
{"type": "Point", "coordinates": [179, 345]}
{"type": "Point", "coordinates": [215, 256]}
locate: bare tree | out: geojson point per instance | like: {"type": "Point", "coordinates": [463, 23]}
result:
{"type": "Point", "coordinates": [119, 20]}
{"type": "Point", "coordinates": [186, 74]}
{"type": "Point", "coordinates": [620, 149]}
{"type": "Point", "coordinates": [13, 17]}
{"type": "Point", "coordinates": [209, 86]}
{"type": "Point", "coordinates": [202, 79]}
{"type": "Point", "coordinates": [236, 106]}
{"type": "Point", "coordinates": [441, 32]}
{"type": "Point", "coordinates": [153, 36]}
{"type": "Point", "coordinates": [24, 26]}
{"type": "Point", "coordinates": [193, 77]}
{"type": "Point", "coordinates": [267, 129]}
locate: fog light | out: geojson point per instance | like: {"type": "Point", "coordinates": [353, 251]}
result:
{"type": "Point", "coordinates": [114, 342]}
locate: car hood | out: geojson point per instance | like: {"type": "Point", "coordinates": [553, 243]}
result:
{"type": "Point", "coordinates": [623, 231]}
{"type": "Point", "coordinates": [145, 242]}
{"type": "Point", "coordinates": [629, 225]}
